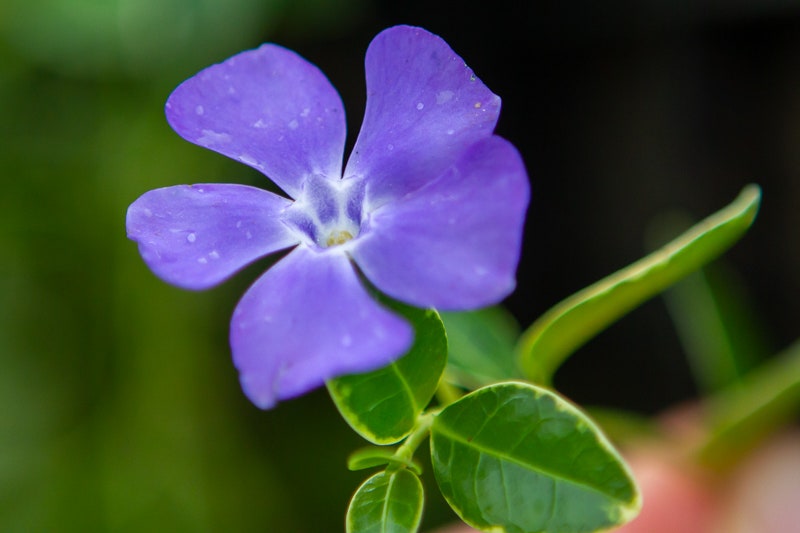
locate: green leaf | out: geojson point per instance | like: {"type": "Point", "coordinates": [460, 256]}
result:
{"type": "Point", "coordinates": [517, 458]}
{"type": "Point", "coordinates": [717, 329]}
{"type": "Point", "coordinates": [382, 406]}
{"type": "Point", "coordinates": [571, 323]}
{"type": "Point", "coordinates": [481, 347]}
{"type": "Point", "coordinates": [742, 415]}
{"type": "Point", "coordinates": [388, 502]}
{"type": "Point", "coordinates": [371, 457]}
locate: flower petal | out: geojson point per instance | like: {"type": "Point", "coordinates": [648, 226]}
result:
{"type": "Point", "coordinates": [195, 236]}
{"type": "Point", "coordinates": [268, 108]}
{"type": "Point", "coordinates": [424, 106]}
{"type": "Point", "coordinates": [307, 320]}
{"type": "Point", "coordinates": [455, 243]}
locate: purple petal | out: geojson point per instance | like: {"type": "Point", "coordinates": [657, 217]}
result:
{"type": "Point", "coordinates": [268, 108]}
{"type": "Point", "coordinates": [307, 320]}
{"type": "Point", "coordinates": [455, 243]}
{"type": "Point", "coordinates": [424, 106]}
{"type": "Point", "coordinates": [195, 236]}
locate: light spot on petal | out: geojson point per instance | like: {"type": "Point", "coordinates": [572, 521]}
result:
{"type": "Point", "coordinates": [450, 132]}
{"type": "Point", "coordinates": [347, 340]}
{"type": "Point", "coordinates": [259, 124]}
{"type": "Point", "coordinates": [390, 147]}
{"type": "Point", "coordinates": [191, 237]}
{"type": "Point", "coordinates": [293, 125]}
{"type": "Point", "coordinates": [248, 160]}
{"type": "Point", "coordinates": [238, 223]}
{"type": "Point", "coordinates": [444, 96]}
{"type": "Point", "coordinates": [305, 112]}
{"type": "Point", "coordinates": [202, 260]}
{"type": "Point", "coordinates": [213, 254]}
{"type": "Point", "coordinates": [248, 235]}
{"type": "Point", "coordinates": [213, 137]}
{"type": "Point", "coordinates": [199, 110]}
{"type": "Point", "coordinates": [148, 213]}
{"type": "Point", "coordinates": [477, 105]}
{"type": "Point", "coordinates": [420, 106]}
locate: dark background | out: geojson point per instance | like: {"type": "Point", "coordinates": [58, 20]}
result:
{"type": "Point", "coordinates": [120, 408]}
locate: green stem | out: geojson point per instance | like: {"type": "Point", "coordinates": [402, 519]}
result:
{"type": "Point", "coordinates": [447, 393]}
{"type": "Point", "coordinates": [406, 451]}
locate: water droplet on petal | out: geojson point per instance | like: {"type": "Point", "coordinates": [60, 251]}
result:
{"type": "Point", "coordinates": [293, 125]}
{"type": "Point", "coordinates": [191, 237]}
{"type": "Point", "coordinates": [420, 106]}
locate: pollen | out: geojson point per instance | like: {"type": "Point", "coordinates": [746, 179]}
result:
{"type": "Point", "coordinates": [338, 237]}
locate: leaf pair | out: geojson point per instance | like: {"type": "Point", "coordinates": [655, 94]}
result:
{"type": "Point", "coordinates": [508, 457]}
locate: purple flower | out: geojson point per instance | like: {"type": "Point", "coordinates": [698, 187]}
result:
{"type": "Point", "coordinates": [429, 208]}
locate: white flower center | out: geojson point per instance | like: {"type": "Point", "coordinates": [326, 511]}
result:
{"type": "Point", "coordinates": [328, 211]}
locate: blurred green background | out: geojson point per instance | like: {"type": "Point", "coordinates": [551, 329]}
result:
{"type": "Point", "coordinates": [119, 407]}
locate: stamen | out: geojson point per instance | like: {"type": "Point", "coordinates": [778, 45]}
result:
{"type": "Point", "coordinates": [338, 237]}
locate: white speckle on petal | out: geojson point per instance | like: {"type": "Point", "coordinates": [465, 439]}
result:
{"type": "Point", "coordinates": [191, 237]}
{"type": "Point", "coordinates": [450, 132]}
{"type": "Point", "coordinates": [477, 105]}
{"type": "Point", "coordinates": [248, 235]}
{"type": "Point", "coordinates": [259, 123]}
{"type": "Point", "coordinates": [213, 254]}
{"type": "Point", "coordinates": [420, 106]}
{"type": "Point", "coordinates": [202, 260]}
{"type": "Point", "coordinates": [444, 96]}
{"type": "Point", "coordinates": [213, 137]}
{"type": "Point", "coordinates": [238, 223]}
{"type": "Point", "coordinates": [390, 147]}
{"type": "Point", "coordinates": [231, 90]}
{"type": "Point", "coordinates": [248, 160]}
{"type": "Point", "coordinates": [199, 110]}
{"type": "Point", "coordinates": [280, 138]}
{"type": "Point", "coordinates": [293, 125]}
{"type": "Point", "coordinates": [347, 340]}
{"type": "Point", "coordinates": [148, 213]}
{"type": "Point", "coordinates": [305, 112]}
{"type": "Point", "coordinates": [480, 271]}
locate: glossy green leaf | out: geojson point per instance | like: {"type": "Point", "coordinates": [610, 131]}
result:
{"type": "Point", "coordinates": [517, 458]}
{"type": "Point", "coordinates": [481, 347]}
{"type": "Point", "coordinates": [388, 502]}
{"type": "Point", "coordinates": [571, 323]}
{"type": "Point", "coordinates": [372, 456]}
{"type": "Point", "coordinates": [382, 406]}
